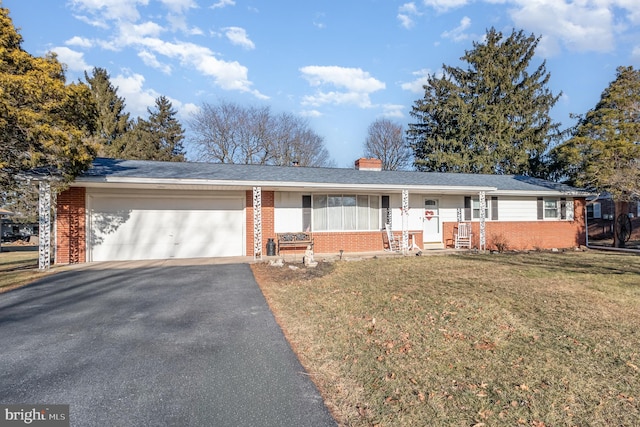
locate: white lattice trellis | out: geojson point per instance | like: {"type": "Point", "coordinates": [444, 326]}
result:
{"type": "Point", "coordinates": [44, 213]}
{"type": "Point", "coordinates": [571, 207]}
{"type": "Point", "coordinates": [257, 222]}
{"type": "Point", "coordinates": [405, 221]}
{"type": "Point", "coordinates": [483, 211]}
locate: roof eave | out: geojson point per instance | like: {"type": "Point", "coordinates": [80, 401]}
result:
{"type": "Point", "coordinates": [205, 183]}
{"type": "Point", "coordinates": [543, 193]}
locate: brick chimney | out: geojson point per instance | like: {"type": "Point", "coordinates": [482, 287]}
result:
{"type": "Point", "coordinates": [365, 164]}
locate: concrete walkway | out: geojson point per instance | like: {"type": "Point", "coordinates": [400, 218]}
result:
{"type": "Point", "coordinates": [153, 344]}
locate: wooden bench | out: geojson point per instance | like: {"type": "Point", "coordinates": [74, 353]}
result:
{"type": "Point", "coordinates": [294, 240]}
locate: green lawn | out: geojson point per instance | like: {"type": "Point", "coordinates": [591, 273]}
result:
{"type": "Point", "coordinates": [540, 339]}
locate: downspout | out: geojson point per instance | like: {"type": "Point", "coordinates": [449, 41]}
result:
{"type": "Point", "coordinates": [586, 226]}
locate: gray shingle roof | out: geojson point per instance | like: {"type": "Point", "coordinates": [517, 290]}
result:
{"type": "Point", "coordinates": [111, 169]}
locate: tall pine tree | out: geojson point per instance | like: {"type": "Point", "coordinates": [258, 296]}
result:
{"type": "Point", "coordinates": [158, 138]}
{"type": "Point", "coordinates": [113, 121]}
{"type": "Point", "coordinates": [603, 154]}
{"type": "Point", "coordinates": [492, 117]}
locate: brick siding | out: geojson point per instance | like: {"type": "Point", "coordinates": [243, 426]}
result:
{"type": "Point", "coordinates": [268, 198]}
{"type": "Point", "coordinates": [71, 226]}
{"type": "Point", "coordinates": [526, 235]}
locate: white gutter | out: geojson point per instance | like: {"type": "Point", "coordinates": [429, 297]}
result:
{"type": "Point", "coordinates": [97, 182]}
{"type": "Point", "coordinates": [441, 189]}
{"type": "Point", "coordinates": [540, 193]}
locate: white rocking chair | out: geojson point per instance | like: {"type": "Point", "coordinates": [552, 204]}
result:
{"type": "Point", "coordinates": [462, 235]}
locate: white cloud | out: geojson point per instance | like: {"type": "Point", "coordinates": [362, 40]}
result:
{"type": "Point", "coordinates": [185, 111]}
{"type": "Point", "coordinates": [353, 79]}
{"type": "Point", "coordinates": [137, 98]}
{"type": "Point", "coordinates": [417, 85]}
{"type": "Point", "coordinates": [405, 21]}
{"type": "Point", "coordinates": [229, 75]}
{"type": "Point", "coordinates": [633, 11]}
{"type": "Point", "coordinates": [120, 10]}
{"type": "Point", "coordinates": [357, 85]}
{"type": "Point", "coordinates": [223, 3]}
{"type": "Point", "coordinates": [74, 60]}
{"type": "Point", "coordinates": [238, 36]}
{"type": "Point", "coordinates": [393, 111]}
{"type": "Point", "coordinates": [318, 21]}
{"type": "Point", "coordinates": [179, 23]}
{"type": "Point", "coordinates": [575, 25]}
{"type": "Point", "coordinates": [579, 26]}
{"type": "Point", "coordinates": [152, 61]}
{"type": "Point", "coordinates": [338, 98]}
{"type": "Point", "coordinates": [409, 8]}
{"type": "Point", "coordinates": [98, 23]}
{"type": "Point", "coordinates": [458, 34]}
{"type": "Point", "coordinates": [177, 19]}
{"type": "Point", "coordinates": [145, 39]}
{"type": "Point", "coordinates": [147, 29]}
{"type": "Point", "coordinates": [79, 41]}
{"type": "Point", "coordinates": [444, 5]}
{"type": "Point", "coordinates": [310, 113]}
{"type": "Point", "coordinates": [179, 6]}
{"type": "Point", "coordinates": [406, 12]}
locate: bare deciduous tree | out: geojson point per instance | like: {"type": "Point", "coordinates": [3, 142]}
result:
{"type": "Point", "coordinates": [230, 133]}
{"type": "Point", "coordinates": [385, 141]}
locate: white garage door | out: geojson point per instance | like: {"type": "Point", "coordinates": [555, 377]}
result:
{"type": "Point", "coordinates": [128, 227]}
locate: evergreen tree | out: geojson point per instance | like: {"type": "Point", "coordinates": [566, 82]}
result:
{"type": "Point", "coordinates": [113, 121]}
{"type": "Point", "coordinates": [158, 138]}
{"type": "Point", "coordinates": [492, 117]}
{"type": "Point", "coordinates": [603, 153]}
{"type": "Point", "coordinates": [43, 121]}
{"type": "Point", "coordinates": [168, 131]}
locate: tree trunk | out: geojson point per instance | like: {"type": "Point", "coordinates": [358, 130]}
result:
{"type": "Point", "coordinates": [619, 209]}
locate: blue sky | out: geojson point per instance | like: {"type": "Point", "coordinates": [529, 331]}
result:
{"type": "Point", "coordinates": [340, 63]}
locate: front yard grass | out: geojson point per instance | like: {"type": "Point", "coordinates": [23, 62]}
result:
{"type": "Point", "coordinates": [18, 269]}
{"type": "Point", "coordinates": [539, 339]}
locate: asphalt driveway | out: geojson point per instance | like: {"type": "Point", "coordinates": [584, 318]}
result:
{"type": "Point", "coordinates": [179, 345]}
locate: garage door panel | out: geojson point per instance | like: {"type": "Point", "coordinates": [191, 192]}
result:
{"type": "Point", "coordinates": [158, 228]}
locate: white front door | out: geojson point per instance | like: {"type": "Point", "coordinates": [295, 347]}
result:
{"type": "Point", "coordinates": [432, 231]}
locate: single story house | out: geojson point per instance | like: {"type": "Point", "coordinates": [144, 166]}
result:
{"type": "Point", "coordinates": [132, 210]}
